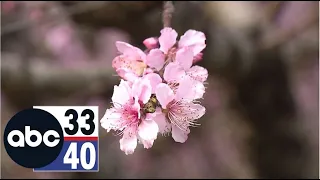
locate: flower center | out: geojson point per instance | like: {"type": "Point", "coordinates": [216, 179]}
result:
{"type": "Point", "coordinates": [130, 115]}
{"type": "Point", "coordinates": [174, 86]}
{"type": "Point", "coordinates": [170, 57]}
{"type": "Point", "coordinates": [139, 69]}
{"type": "Point", "coordinates": [151, 105]}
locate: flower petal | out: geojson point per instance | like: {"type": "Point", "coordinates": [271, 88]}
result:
{"type": "Point", "coordinates": [155, 59]}
{"type": "Point", "coordinates": [197, 58]}
{"type": "Point", "coordinates": [118, 62]}
{"type": "Point", "coordinates": [198, 73]}
{"type": "Point", "coordinates": [148, 130]}
{"type": "Point", "coordinates": [150, 116]}
{"type": "Point", "coordinates": [194, 39]}
{"type": "Point", "coordinates": [127, 74]}
{"type": "Point", "coordinates": [167, 39]}
{"type": "Point", "coordinates": [184, 113]}
{"type": "Point", "coordinates": [160, 119]}
{"type": "Point", "coordinates": [121, 93]}
{"type": "Point", "coordinates": [147, 71]}
{"type": "Point", "coordinates": [128, 142]}
{"type": "Point", "coordinates": [164, 94]}
{"type": "Point", "coordinates": [141, 89]}
{"type": "Point", "coordinates": [125, 62]}
{"type": "Point", "coordinates": [130, 51]}
{"type": "Point", "coordinates": [136, 107]}
{"type": "Point", "coordinates": [184, 57]}
{"type": "Point", "coordinates": [146, 144]}
{"type": "Point", "coordinates": [186, 90]}
{"type": "Point", "coordinates": [154, 79]}
{"type": "Point", "coordinates": [199, 89]}
{"type": "Point", "coordinates": [193, 111]}
{"type": "Point", "coordinates": [173, 73]}
{"type": "Point", "coordinates": [178, 135]}
{"type": "Point", "coordinates": [111, 119]}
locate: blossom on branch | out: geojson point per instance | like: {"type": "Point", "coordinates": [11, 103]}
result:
{"type": "Point", "coordinates": [159, 89]}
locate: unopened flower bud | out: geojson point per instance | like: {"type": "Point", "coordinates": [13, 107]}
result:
{"type": "Point", "coordinates": [151, 43]}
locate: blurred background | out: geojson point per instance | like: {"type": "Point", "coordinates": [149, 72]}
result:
{"type": "Point", "coordinates": [261, 98]}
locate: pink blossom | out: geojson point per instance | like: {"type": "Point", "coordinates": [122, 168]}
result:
{"type": "Point", "coordinates": [175, 74]}
{"type": "Point", "coordinates": [125, 115]}
{"type": "Point", "coordinates": [131, 62]}
{"type": "Point", "coordinates": [192, 39]}
{"type": "Point", "coordinates": [184, 58]}
{"type": "Point", "coordinates": [160, 90]}
{"type": "Point", "coordinates": [182, 68]}
{"type": "Point", "coordinates": [180, 110]}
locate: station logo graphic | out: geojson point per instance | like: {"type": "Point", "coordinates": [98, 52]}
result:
{"type": "Point", "coordinates": [54, 138]}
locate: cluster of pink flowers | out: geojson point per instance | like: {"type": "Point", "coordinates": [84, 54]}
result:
{"type": "Point", "coordinates": [159, 89]}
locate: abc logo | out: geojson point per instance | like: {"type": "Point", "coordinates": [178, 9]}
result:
{"type": "Point", "coordinates": [33, 138]}
{"type": "Point", "coordinates": [27, 139]}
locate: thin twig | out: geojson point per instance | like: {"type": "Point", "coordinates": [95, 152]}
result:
{"type": "Point", "coordinates": [168, 10]}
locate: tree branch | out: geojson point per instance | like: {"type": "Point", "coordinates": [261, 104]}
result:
{"type": "Point", "coordinates": [107, 13]}
{"type": "Point", "coordinates": [55, 80]}
{"type": "Point", "coordinates": [168, 10]}
{"type": "Point", "coordinates": [276, 37]}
